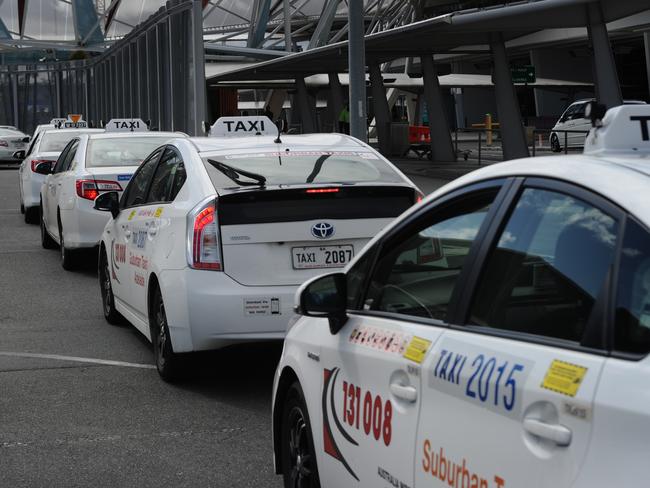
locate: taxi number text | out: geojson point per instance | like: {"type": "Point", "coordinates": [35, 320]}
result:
{"type": "Point", "coordinates": [488, 378]}
{"type": "Point", "coordinates": [317, 257]}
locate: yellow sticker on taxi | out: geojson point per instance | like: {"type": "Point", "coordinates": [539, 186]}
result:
{"type": "Point", "coordinates": [417, 349]}
{"type": "Point", "coordinates": [565, 378]}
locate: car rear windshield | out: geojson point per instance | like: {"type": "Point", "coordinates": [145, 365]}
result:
{"type": "Point", "coordinates": [300, 167]}
{"type": "Point", "coordinates": [121, 151]}
{"type": "Point", "coordinates": [10, 133]}
{"type": "Point", "coordinates": [56, 141]}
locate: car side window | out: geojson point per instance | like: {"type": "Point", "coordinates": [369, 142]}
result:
{"type": "Point", "coordinates": [568, 114]}
{"type": "Point", "coordinates": [33, 144]}
{"type": "Point", "coordinates": [72, 152]}
{"type": "Point", "coordinates": [60, 162]}
{"type": "Point", "coordinates": [416, 273]}
{"type": "Point", "coordinates": [632, 332]}
{"type": "Point", "coordinates": [136, 192]}
{"type": "Point", "coordinates": [548, 267]}
{"type": "Point", "coordinates": [169, 178]}
{"type": "Point", "coordinates": [579, 112]}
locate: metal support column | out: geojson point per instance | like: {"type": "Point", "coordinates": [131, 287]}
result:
{"type": "Point", "coordinates": [646, 42]}
{"type": "Point", "coordinates": [357, 70]}
{"type": "Point", "coordinates": [287, 26]}
{"type": "Point", "coordinates": [608, 90]}
{"type": "Point", "coordinates": [382, 110]}
{"type": "Point", "coordinates": [442, 149]}
{"type": "Point", "coordinates": [14, 97]}
{"type": "Point", "coordinates": [305, 109]}
{"type": "Point", "coordinates": [335, 100]}
{"type": "Point", "coordinates": [513, 137]}
{"type": "Point", "coordinates": [199, 108]}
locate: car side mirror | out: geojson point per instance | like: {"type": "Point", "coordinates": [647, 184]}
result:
{"type": "Point", "coordinates": [44, 169]}
{"type": "Point", "coordinates": [26, 139]}
{"type": "Point", "coordinates": [325, 297]}
{"type": "Point", "coordinates": [19, 155]}
{"type": "Point", "coordinates": [108, 202]}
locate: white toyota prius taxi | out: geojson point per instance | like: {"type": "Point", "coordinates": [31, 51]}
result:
{"type": "Point", "coordinates": [213, 235]}
{"type": "Point", "coordinates": [496, 335]}
{"type": "Point", "coordinates": [90, 164]}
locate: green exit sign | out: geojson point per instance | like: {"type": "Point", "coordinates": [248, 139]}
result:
{"type": "Point", "coordinates": [523, 74]}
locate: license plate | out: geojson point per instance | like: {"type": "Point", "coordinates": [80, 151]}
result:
{"type": "Point", "coordinates": [319, 257]}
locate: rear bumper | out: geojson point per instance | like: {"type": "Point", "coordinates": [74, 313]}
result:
{"type": "Point", "coordinates": [32, 184]}
{"type": "Point", "coordinates": [209, 310]}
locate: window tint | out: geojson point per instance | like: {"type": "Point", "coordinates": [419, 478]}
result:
{"type": "Point", "coordinates": [416, 274]}
{"type": "Point", "coordinates": [548, 267]}
{"type": "Point", "coordinates": [63, 163]}
{"type": "Point", "coordinates": [633, 296]}
{"type": "Point", "coordinates": [137, 190]}
{"type": "Point", "coordinates": [169, 177]}
{"type": "Point", "coordinates": [121, 151]}
{"type": "Point", "coordinates": [56, 140]}
{"type": "Point", "coordinates": [579, 112]}
{"type": "Point", "coordinates": [33, 144]}
{"type": "Point", "coordinates": [357, 275]}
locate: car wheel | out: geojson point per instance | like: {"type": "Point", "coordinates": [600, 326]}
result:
{"type": "Point", "coordinates": [22, 208]}
{"type": "Point", "coordinates": [299, 467]}
{"type": "Point", "coordinates": [168, 363]}
{"type": "Point", "coordinates": [555, 144]}
{"type": "Point", "coordinates": [111, 314]}
{"type": "Point", "coordinates": [46, 241]}
{"type": "Point", "coordinates": [68, 257]}
{"type": "Point", "coordinates": [30, 215]}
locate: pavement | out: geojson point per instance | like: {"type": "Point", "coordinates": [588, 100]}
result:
{"type": "Point", "coordinates": [81, 403]}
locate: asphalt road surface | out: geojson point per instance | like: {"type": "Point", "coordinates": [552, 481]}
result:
{"type": "Point", "coordinates": [72, 423]}
{"type": "Point", "coordinates": [81, 403]}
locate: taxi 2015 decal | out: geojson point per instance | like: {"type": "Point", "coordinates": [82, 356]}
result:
{"type": "Point", "coordinates": [487, 378]}
{"type": "Point", "coordinates": [454, 473]}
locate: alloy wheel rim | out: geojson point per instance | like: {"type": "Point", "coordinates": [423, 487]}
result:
{"type": "Point", "coordinates": [300, 456]}
{"type": "Point", "coordinates": [161, 336]}
{"type": "Point", "coordinates": [107, 292]}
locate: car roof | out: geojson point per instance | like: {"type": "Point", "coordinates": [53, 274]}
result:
{"type": "Point", "coordinates": [119, 135]}
{"type": "Point", "coordinates": [320, 142]}
{"type": "Point", "coordinates": [83, 131]}
{"type": "Point", "coordinates": [624, 181]}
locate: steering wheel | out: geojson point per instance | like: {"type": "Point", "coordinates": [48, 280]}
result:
{"type": "Point", "coordinates": [409, 298]}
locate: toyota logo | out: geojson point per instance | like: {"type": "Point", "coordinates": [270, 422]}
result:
{"type": "Point", "coordinates": [322, 230]}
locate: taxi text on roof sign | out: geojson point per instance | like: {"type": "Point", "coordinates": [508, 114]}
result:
{"type": "Point", "coordinates": [74, 121]}
{"type": "Point", "coordinates": [243, 126]}
{"type": "Point", "coordinates": [126, 125]}
{"type": "Point", "coordinates": [624, 129]}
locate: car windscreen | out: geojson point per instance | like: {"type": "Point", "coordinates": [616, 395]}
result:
{"type": "Point", "coordinates": [55, 141]}
{"type": "Point", "coordinates": [121, 151]}
{"type": "Point", "coordinates": [300, 167]}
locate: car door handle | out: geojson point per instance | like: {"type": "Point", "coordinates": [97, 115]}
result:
{"type": "Point", "coordinates": [127, 233]}
{"type": "Point", "coordinates": [405, 392]}
{"type": "Point", "coordinates": [557, 433]}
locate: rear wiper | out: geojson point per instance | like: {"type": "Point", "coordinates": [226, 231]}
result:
{"type": "Point", "coordinates": [234, 173]}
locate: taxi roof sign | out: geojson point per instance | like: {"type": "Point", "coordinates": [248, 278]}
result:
{"type": "Point", "coordinates": [74, 121]}
{"type": "Point", "coordinates": [243, 126]}
{"type": "Point", "coordinates": [624, 130]}
{"type": "Point", "coordinates": [126, 125]}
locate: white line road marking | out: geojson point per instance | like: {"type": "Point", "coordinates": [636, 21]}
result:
{"type": "Point", "coordinates": [106, 362]}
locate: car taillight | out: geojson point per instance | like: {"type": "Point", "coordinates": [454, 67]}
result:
{"type": "Point", "coordinates": [418, 197]}
{"type": "Point", "coordinates": [36, 162]}
{"type": "Point", "coordinates": [90, 189]}
{"type": "Point", "coordinates": [4, 144]}
{"type": "Point", "coordinates": [203, 228]}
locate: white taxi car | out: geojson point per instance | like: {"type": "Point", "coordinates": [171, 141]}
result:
{"type": "Point", "coordinates": [45, 148]}
{"type": "Point", "coordinates": [496, 335]}
{"type": "Point", "coordinates": [90, 164]}
{"type": "Point", "coordinates": [212, 237]}
{"type": "Point", "coordinates": [570, 131]}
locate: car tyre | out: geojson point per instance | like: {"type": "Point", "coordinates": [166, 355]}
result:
{"type": "Point", "coordinates": [555, 144]}
{"type": "Point", "coordinates": [299, 466]}
{"type": "Point", "coordinates": [31, 214]}
{"type": "Point", "coordinates": [111, 314]}
{"type": "Point", "coordinates": [22, 208]}
{"type": "Point", "coordinates": [68, 257]}
{"type": "Point", "coordinates": [46, 241]}
{"type": "Point", "coordinates": [168, 363]}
